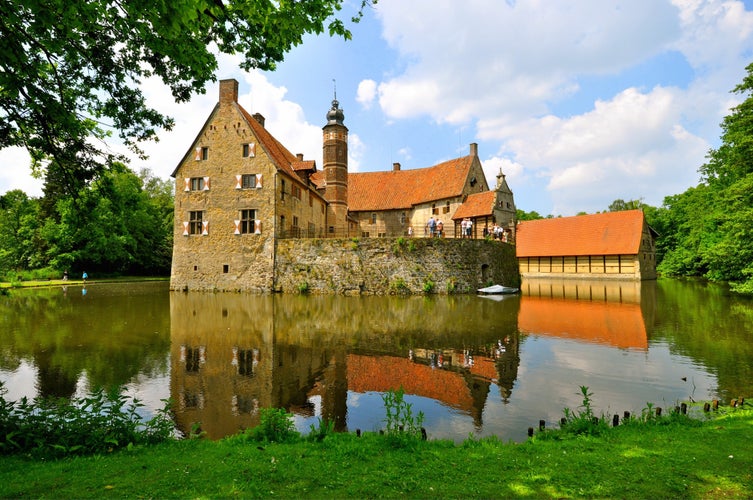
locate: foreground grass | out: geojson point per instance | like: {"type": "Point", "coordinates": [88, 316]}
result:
{"type": "Point", "coordinates": [713, 459]}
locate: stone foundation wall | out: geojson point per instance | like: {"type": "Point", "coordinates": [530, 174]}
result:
{"type": "Point", "coordinates": [381, 266]}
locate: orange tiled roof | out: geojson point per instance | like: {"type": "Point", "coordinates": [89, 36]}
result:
{"type": "Point", "coordinates": [396, 189]}
{"type": "Point", "coordinates": [611, 233]}
{"type": "Point", "coordinates": [614, 323]}
{"type": "Point", "coordinates": [476, 205]}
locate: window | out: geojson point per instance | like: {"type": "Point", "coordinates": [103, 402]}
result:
{"type": "Point", "coordinates": [434, 209]}
{"type": "Point", "coordinates": [197, 184]}
{"type": "Point", "coordinates": [446, 208]}
{"type": "Point", "coordinates": [295, 190]}
{"type": "Point", "coordinates": [225, 270]}
{"type": "Point", "coordinates": [311, 199]}
{"type": "Point", "coordinates": [201, 153]}
{"type": "Point", "coordinates": [249, 150]}
{"type": "Point", "coordinates": [247, 221]}
{"type": "Point", "coordinates": [248, 181]}
{"type": "Point", "coordinates": [282, 189]}
{"type": "Point", "coordinates": [402, 218]}
{"type": "Point", "coordinates": [195, 219]}
{"type": "Point", "coordinates": [373, 218]}
{"type": "Point", "coordinates": [282, 223]}
{"type": "Point", "coordinates": [364, 234]}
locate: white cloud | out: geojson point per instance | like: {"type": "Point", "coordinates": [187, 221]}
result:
{"type": "Point", "coordinates": [366, 93]}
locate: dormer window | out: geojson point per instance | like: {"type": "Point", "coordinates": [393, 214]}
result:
{"type": "Point", "coordinates": [201, 153]}
{"type": "Point", "coordinates": [249, 150]}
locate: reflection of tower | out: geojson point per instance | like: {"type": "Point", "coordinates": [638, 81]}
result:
{"type": "Point", "coordinates": [335, 145]}
{"type": "Point", "coordinates": [507, 363]}
{"type": "Point", "coordinates": [335, 393]}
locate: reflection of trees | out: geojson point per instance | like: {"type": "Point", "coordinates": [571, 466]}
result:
{"type": "Point", "coordinates": [112, 334]}
{"type": "Point", "coordinates": [703, 321]}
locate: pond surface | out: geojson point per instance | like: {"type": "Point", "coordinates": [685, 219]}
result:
{"type": "Point", "coordinates": [473, 365]}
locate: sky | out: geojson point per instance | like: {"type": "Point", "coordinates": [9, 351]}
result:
{"type": "Point", "coordinates": [579, 102]}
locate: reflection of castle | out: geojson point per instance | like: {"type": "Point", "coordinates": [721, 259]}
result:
{"type": "Point", "coordinates": [234, 354]}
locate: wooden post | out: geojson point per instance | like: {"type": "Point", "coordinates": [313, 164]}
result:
{"type": "Point", "coordinates": [715, 404]}
{"type": "Point", "coordinates": [733, 403]}
{"type": "Point", "coordinates": [542, 425]}
{"type": "Point", "coordinates": [706, 407]}
{"type": "Point", "coordinates": [658, 411]}
{"type": "Point", "coordinates": [563, 422]}
{"type": "Point", "coordinates": [530, 432]}
{"type": "Point", "coordinates": [626, 415]}
{"type": "Point", "coordinates": [684, 408]}
{"type": "Point", "coordinates": [615, 420]}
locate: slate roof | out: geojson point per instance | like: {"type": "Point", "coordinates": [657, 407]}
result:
{"type": "Point", "coordinates": [396, 189]}
{"type": "Point", "coordinates": [476, 205]}
{"type": "Point", "coordinates": [610, 233]}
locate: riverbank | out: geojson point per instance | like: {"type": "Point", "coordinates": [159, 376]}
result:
{"type": "Point", "coordinates": [674, 459]}
{"type": "Point", "coordinates": [60, 282]}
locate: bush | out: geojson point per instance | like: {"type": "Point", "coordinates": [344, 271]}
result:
{"type": "Point", "coordinates": [100, 423]}
{"type": "Point", "coordinates": [403, 428]}
{"type": "Point", "coordinates": [276, 426]}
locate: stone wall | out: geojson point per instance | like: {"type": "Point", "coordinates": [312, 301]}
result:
{"type": "Point", "coordinates": [381, 266]}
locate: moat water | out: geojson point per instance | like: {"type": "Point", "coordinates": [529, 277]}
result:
{"type": "Point", "coordinates": [473, 365]}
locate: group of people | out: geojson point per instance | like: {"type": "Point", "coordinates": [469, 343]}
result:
{"type": "Point", "coordinates": [466, 228]}
{"type": "Point", "coordinates": [435, 228]}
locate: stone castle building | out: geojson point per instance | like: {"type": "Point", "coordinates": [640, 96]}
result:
{"type": "Point", "coordinates": [239, 191]}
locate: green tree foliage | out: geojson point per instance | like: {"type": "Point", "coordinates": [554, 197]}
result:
{"type": "Point", "coordinates": [619, 205]}
{"type": "Point", "coordinates": [709, 228]}
{"type": "Point", "coordinates": [532, 215]}
{"type": "Point", "coordinates": [121, 222]}
{"type": "Point", "coordinates": [71, 69]}
{"type": "Point", "coordinates": [18, 224]}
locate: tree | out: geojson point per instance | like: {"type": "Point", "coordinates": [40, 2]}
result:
{"type": "Point", "coordinates": [70, 69]}
{"type": "Point", "coordinates": [18, 225]}
{"type": "Point", "coordinates": [709, 229]}
{"type": "Point", "coordinates": [619, 205]}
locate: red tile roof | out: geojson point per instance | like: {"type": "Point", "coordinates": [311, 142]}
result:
{"type": "Point", "coordinates": [396, 189]}
{"type": "Point", "coordinates": [476, 205]}
{"type": "Point", "coordinates": [611, 233]}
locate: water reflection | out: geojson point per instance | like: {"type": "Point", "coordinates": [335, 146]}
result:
{"type": "Point", "coordinates": [234, 354]}
{"type": "Point", "coordinates": [471, 364]}
{"type": "Point", "coordinates": [606, 312]}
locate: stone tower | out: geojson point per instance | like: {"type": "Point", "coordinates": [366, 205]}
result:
{"type": "Point", "coordinates": [335, 145]}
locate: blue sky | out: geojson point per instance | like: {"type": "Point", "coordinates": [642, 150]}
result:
{"type": "Point", "coordinates": [579, 103]}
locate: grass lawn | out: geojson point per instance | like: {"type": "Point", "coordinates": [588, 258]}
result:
{"type": "Point", "coordinates": [60, 282]}
{"type": "Point", "coordinates": [710, 459]}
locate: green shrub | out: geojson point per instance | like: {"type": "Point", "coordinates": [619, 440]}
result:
{"type": "Point", "coordinates": [276, 426]}
{"type": "Point", "coordinates": [403, 428]}
{"type": "Point", "coordinates": [399, 287]}
{"type": "Point", "coordinates": [584, 421]}
{"type": "Point", "coordinates": [428, 286]}
{"type": "Point", "coordinates": [100, 423]}
{"type": "Point", "coordinates": [303, 287]}
{"type": "Point", "coordinates": [452, 285]}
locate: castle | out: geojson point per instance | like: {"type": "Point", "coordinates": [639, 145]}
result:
{"type": "Point", "coordinates": [239, 191]}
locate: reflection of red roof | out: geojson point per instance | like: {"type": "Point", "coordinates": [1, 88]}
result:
{"type": "Point", "coordinates": [383, 373]}
{"type": "Point", "coordinates": [614, 323]}
{"type": "Point", "coordinates": [611, 233]}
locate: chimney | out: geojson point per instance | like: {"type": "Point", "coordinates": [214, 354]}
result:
{"type": "Point", "coordinates": [474, 149]}
{"type": "Point", "coordinates": [228, 91]}
{"type": "Point", "coordinates": [299, 156]}
{"type": "Point", "coordinates": [395, 167]}
{"type": "Point", "coordinates": [259, 118]}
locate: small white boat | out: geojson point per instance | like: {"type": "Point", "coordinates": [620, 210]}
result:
{"type": "Point", "coordinates": [498, 290]}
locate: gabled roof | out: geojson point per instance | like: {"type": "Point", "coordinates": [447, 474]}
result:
{"type": "Point", "coordinates": [476, 205]}
{"type": "Point", "coordinates": [281, 158]}
{"type": "Point", "coordinates": [396, 189]}
{"type": "Point", "coordinates": [610, 233]}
